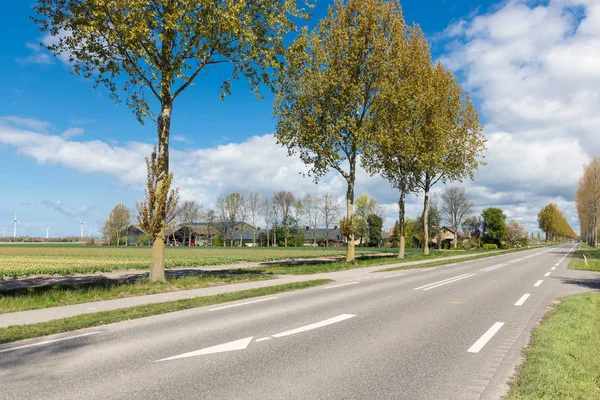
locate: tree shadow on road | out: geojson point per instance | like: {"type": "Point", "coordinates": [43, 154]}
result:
{"type": "Point", "coordinates": [589, 283]}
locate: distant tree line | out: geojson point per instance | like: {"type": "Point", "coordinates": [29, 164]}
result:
{"type": "Point", "coordinates": [554, 224]}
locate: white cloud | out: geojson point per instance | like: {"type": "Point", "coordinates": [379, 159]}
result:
{"type": "Point", "coordinates": [26, 123]}
{"type": "Point", "coordinates": [180, 138]}
{"type": "Point", "coordinates": [535, 69]}
{"type": "Point", "coordinates": [37, 58]}
{"type": "Point", "coordinates": [66, 210]}
{"type": "Point", "coordinates": [71, 132]}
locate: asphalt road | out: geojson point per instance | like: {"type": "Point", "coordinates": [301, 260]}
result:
{"type": "Point", "coordinates": [450, 332]}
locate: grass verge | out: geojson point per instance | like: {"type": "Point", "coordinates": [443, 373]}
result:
{"type": "Point", "coordinates": [444, 262]}
{"type": "Point", "coordinates": [592, 255]}
{"type": "Point", "coordinates": [563, 359]}
{"type": "Point", "coordinates": [307, 268]}
{"type": "Point", "coordinates": [52, 296]}
{"type": "Point", "coordinates": [20, 332]}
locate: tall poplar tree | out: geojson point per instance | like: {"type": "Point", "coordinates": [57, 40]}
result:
{"type": "Point", "coordinates": [450, 142]}
{"type": "Point", "coordinates": [326, 91]}
{"type": "Point", "coordinates": [154, 50]}
{"type": "Point", "coordinates": [392, 152]}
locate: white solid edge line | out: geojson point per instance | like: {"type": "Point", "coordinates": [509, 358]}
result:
{"type": "Point", "coordinates": [444, 280]}
{"type": "Point", "coordinates": [343, 284]}
{"type": "Point", "coordinates": [391, 276]}
{"type": "Point", "coordinates": [48, 342]}
{"type": "Point", "coordinates": [479, 344]}
{"type": "Point", "coordinates": [547, 273]}
{"type": "Point", "coordinates": [522, 299]}
{"type": "Point", "coordinates": [538, 283]}
{"type": "Point", "coordinates": [316, 325]}
{"type": "Point", "coordinates": [243, 304]}
{"type": "Point", "coordinates": [445, 283]}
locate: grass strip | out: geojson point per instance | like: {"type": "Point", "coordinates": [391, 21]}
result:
{"type": "Point", "coordinates": [20, 332]}
{"type": "Point", "coordinates": [316, 268]}
{"type": "Point", "coordinates": [34, 298]}
{"type": "Point", "coordinates": [591, 254]}
{"type": "Point", "coordinates": [563, 359]}
{"type": "Point", "coordinates": [444, 262]}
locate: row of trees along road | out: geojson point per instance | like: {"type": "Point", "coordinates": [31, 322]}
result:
{"type": "Point", "coordinates": [338, 87]}
{"type": "Point", "coordinates": [554, 224]}
{"type": "Point", "coordinates": [362, 86]}
{"type": "Point", "coordinates": [588, 201]}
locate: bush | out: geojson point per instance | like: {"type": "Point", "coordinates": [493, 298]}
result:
{"type": "Point", "coordinates": [218, 241]}
{"type": "Point", "coordinates": [490, 246]}
{"type": "Point", "coordinates": [466, 246]}
{"type": "Point", "coordinates": [145, 239]}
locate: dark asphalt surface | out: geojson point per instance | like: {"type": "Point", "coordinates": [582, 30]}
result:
{"type": "Point", "coordinates": [401, 343]}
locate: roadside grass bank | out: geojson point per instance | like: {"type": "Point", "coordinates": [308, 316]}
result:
{"type": "Point", "coordinates": [306, 268]}
{"type": "Point", "coordinates": [563, 359]}
{"type": "Point", "coordinates": [21, 332]}
{"type": "Point", "coordinates": [52, 296]}
{"type": "Point", "coordinates": [592, 255]}
{"type": "Point", "coordinates": [444, 262]}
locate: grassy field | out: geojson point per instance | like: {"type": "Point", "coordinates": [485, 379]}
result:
{"type": "Point", "coordinates": [592, 255]}
{"type": "Point", "coordinates": [563, 360]}
{"type": "Point", "coordinates": [53, 296]}
{"type": "Point", "coordinates": [23, 260]}
{"type": "Point", "coordinates": [20, 332]}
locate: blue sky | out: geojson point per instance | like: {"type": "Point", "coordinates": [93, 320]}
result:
{"type": "Point", "coordinates": [38, 88]}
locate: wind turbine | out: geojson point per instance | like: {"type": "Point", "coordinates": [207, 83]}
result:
{"type": "Point", "coordinates": [15, 222]}
{"type": "Point", "coordinates": [48, 231]}
{"type": "Point", "coordinates": [82, 223]}
{"type": "Point", "coordinates": [90, 232]}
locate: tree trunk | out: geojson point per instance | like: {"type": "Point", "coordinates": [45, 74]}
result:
{"type": "Point", "coordinates": [327, 231]}
{"type": "Point", "coordinates": [426, 221]}
{"type": "Point", "coordinates": [157, 269]}
{"type": "Point", "coordinates": [242, 234]}
{"type": "Point", "coordinates": [274, 235]}
{"type": "Point", "coordinates": [190, 239]}
{"type": "Point", "coordinates": [254, 235]}
{"type": "Point", "coordinates": [595, 233]}
{"type": "Point", "coordinates": [350, 215]}
{"type": "Point", "coordinates": [401, 206]}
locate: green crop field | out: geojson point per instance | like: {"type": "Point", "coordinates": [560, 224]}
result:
{"type": "Point", "coordinates": [23, 260]}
